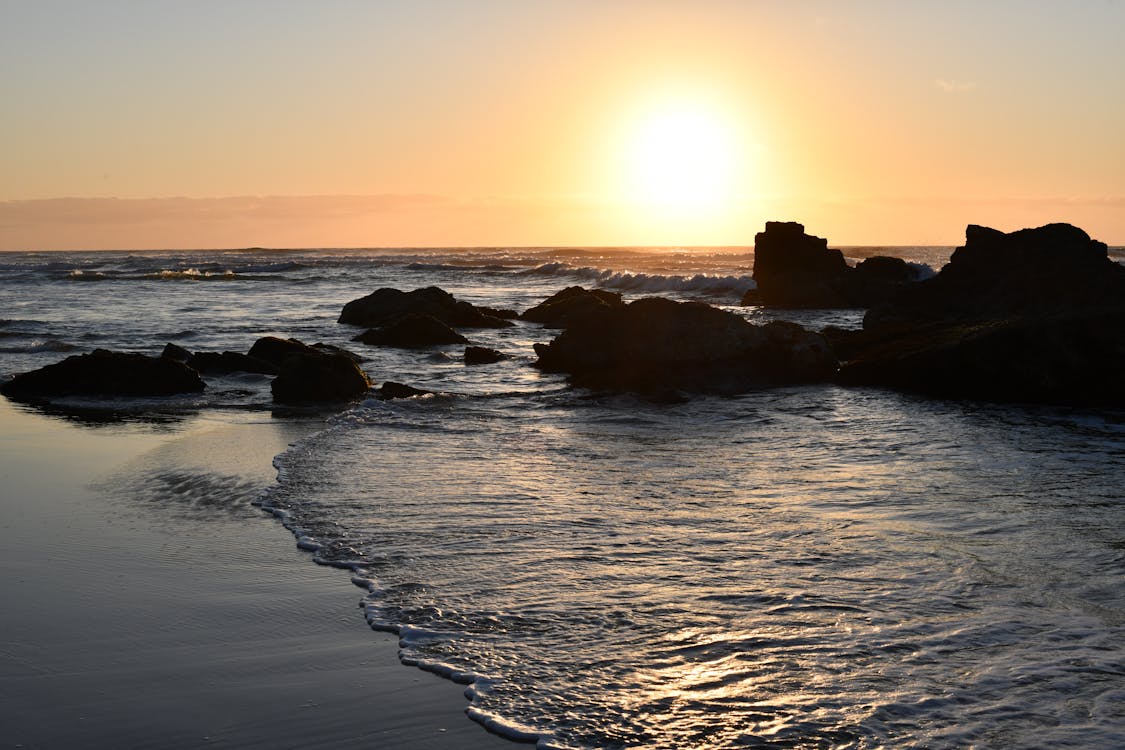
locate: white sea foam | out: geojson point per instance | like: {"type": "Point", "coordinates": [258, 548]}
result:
{"type": "Point", "coordinates": [707, 284]}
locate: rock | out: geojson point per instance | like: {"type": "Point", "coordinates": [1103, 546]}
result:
{"type": "Point", "coordinates": [1054, 268]}
{"type": "Point", "coordinates": [794, 269]}
{"type": "Point", "coordinates": [482, 355]}
{"type": "Point", "coordinates": [383, 305]}
{"type": "Point", "coordinates": [1074, 358]}
{"type": "Point", "coordinates": [656, 345]}
{"type": "Point", "coordinates": [274, 350]}
{"type": "Point", "coordinates": [498, 312]}
{"type": "Point", "coordinates": [572, 305]}
{"type": "Point", "coordinates": [391, 390]}
{"type": "Point", "coordinates": [333, 349]}
{"type": "Point", "coordinates": [175, 352]}
{"type": "Point", "coordinates": [223, 363]}
{"type": "Point", "coordinates": [314, 376]}
{"type": "Point", "coordinates": [106, 373]}
{"type": "Point", "coordinates": [412, 331]}
{"type": "Point", "coordinates": [1031, 316]}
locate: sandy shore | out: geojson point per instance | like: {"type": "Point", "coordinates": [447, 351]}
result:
{"type": "Point", "coordinates": [146, 604]}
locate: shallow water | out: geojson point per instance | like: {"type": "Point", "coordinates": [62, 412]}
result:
{"type": "Point", "coordinates": [797, 567]}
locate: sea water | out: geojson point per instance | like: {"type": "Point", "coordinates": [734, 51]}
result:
{"type": "Point", "coordinates": [805, 567]}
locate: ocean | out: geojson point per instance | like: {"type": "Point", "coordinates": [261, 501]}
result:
{"type": "Point", "coordinates": [800, 567]}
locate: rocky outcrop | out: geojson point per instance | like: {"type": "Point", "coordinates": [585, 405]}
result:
{"type": "Point", "coordinates": [482, 355]}
{"type": "Point", "coordinates": [412, 331]}
{"type": "Point", "coordinates": [1036, 315]}
{"type": "Point", "coordinates": [572, 305]}
{"type": "Point", "coordinates": [797, 270]}
{"type": "Point", "coordinates": [655, 345]}
{"type": "Point", "coordinates": [1074, 358]}
{"type": "Point", "coordinates": [106, 373]}
{"type": "Point", "coordinates": [1052, 269]}
{"type": "Point", "coordinates": [384, 305]}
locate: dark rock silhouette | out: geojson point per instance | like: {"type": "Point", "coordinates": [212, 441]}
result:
{"type": "Point", "coordinates": [311, 375]}
{"type": "Point", "coordinates": [106, 373]}
{"type": "Point", "coordinates": [497, 312]}
{"type": "Point", "coordinates": [222, 363]}
{"type": "Point", "coordinates": [572, 305]}
{"type": "Point", "coordinates": [1054, 268]}
{"type": "Point", "coordinates": [798, 270]}
{"type": "Point", "coordinates": [384, 305]}
{"type": "Point", "coordinates": [657, 346]}
{"type": "Point", "coordinates": [1036, 315]}
{"type": "Point", "coordinates": [274, 350]}
{"type": "Point", "coordinates": [391, 390]}
{"type": "Point", "coordinates": [175, 352]}
{"type": "Point", "coordinates": [482, 355]}
{"type": "Point", "coordinates": [412, 331]}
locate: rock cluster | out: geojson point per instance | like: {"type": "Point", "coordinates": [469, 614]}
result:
{"type": "Point", "coordinates": [795, 269]}
{"type": "Point", "coordinates": [1036, 315]}
{"type": "Point", "coordinates": [657, 346]}
{"type": "Point", "coordinates": [304, 373]}
{"type": "Point", "coordinates": [384, 305]}
{"type": "Point", "coordinates": [106, 373]}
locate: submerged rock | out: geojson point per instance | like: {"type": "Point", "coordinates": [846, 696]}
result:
{"type": "Point", "coordinates": [571, 306]}
{"type": "Point", "coordinates": [482, 355]}
{"type": "Point", "coordinates": [657, 345]}
{"type": "Point", "coordinates": [106, 373]}
{"type": "Point", "coordinates": [391, 390]}
{"type": "Point", "coordinates": [384, 305]}
{"type": "Point", "coordinates": [412, 331]}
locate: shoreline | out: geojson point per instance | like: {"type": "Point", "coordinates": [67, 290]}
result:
{"type": "Point", "coordinates": [149, 605]}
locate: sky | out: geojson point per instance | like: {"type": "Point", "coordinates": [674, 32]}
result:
{"type": "Point", "coordinates": [341, 123]}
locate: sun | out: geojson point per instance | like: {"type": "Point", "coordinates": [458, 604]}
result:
{"type": "Point", "coordinates": [682, 159]}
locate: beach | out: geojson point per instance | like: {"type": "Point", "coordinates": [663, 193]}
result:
{"type": "Point", "coordinates": [148, 604]}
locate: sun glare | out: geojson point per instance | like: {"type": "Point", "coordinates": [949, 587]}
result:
{"type": "Point", "coordinates": [683, 160]}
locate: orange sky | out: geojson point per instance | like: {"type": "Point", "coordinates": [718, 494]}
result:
{"type": "Point", "coordinates": [291, 124]}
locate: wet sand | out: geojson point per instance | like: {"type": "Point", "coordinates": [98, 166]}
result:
{"type": "Point", "coordinates": [147, 604]}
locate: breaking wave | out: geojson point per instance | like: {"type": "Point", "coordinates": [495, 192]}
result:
{"type": "Point", "coordinates": [700, 283]}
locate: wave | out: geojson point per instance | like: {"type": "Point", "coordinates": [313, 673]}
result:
{"type": "Point", "coordinates": [78, 274]}
{"type": "Point", "coordinates": [921, 271]}
{"type": "Point", "coordinates": [168, 274]}
{"type": "Point", "coordinates": [191, 273]}
{"type": "Point", "coordinates": [702, 283]}
{"type": "Point", "coordinates": [37, 346]}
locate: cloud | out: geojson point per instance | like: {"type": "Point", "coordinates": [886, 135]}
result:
{"type": "Point", "coordinates": [955, 87]}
